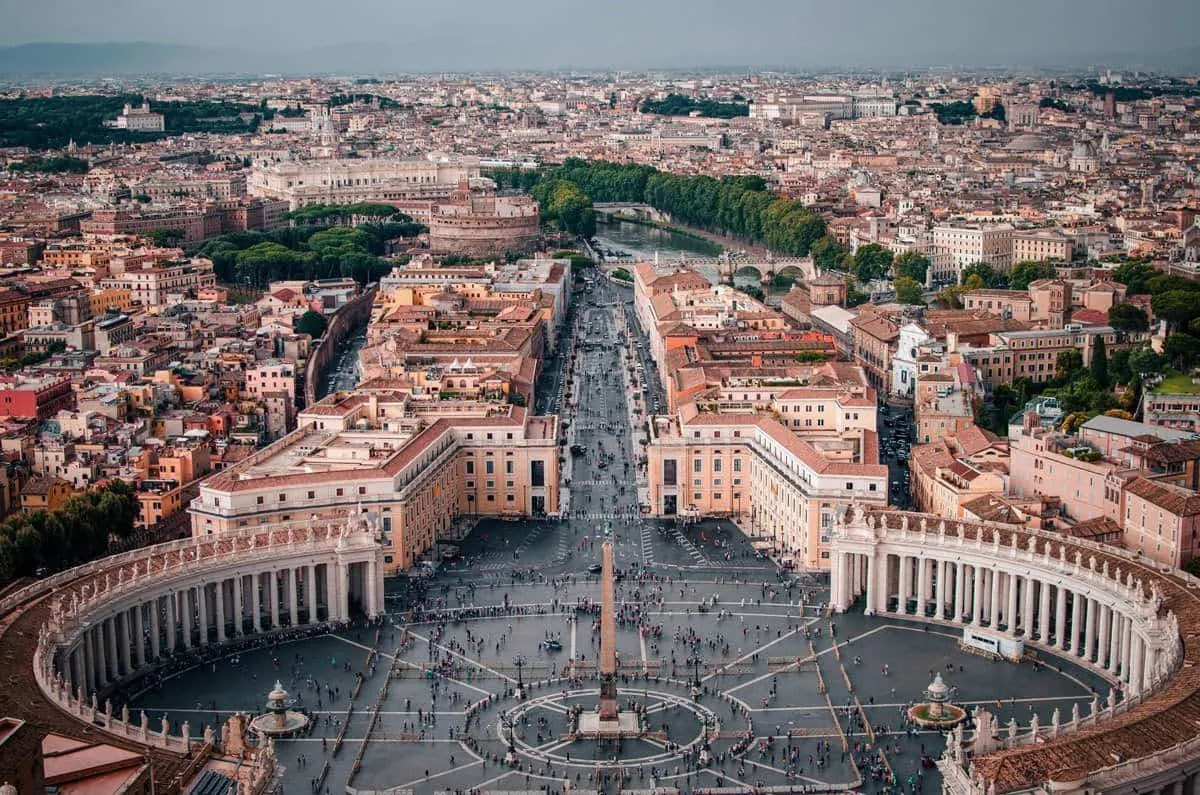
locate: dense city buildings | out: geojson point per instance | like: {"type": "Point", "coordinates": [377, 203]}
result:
{"type": "Point", "coordinates": [798, 351]}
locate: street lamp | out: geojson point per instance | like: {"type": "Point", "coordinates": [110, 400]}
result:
{"type": "Point", "coordinates": [519, 661]}
{"type": "Point", "coordinates": [696, 676]}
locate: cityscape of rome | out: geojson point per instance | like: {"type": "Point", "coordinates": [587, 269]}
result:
{"type": "Point", "coordinates": [538, 398]}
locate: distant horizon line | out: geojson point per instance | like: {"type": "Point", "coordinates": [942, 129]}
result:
{"type": "Point", "coordinates": [1078, 64]}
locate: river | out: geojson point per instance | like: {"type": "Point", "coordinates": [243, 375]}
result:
{"type": "Point", "coordinates": [642, 242]}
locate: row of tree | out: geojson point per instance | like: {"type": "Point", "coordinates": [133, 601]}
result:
{"type": "Point", "coordinates": [44, 542]}
{"type": "Point", "coordinates": [50, 165]}
{"type": "Point", "coordinates": [739, 206]}
{"type": "Point", "coordinates": [255, 259]}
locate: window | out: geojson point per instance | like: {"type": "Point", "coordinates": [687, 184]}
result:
{"type": "Point", "coordinates": [258, 500]}
{"type": "Point", "coordinates": [508, 498]}
{"type": "Point", "coordinates": [669, 474]}
{"type": "Point", "coordinates": [737, 465]}
{"type": "Point", "coordinates": [470, 467]}
{"type": "Point", "coordinates": [489, 467]}
{"type": "Point", "coordinates": [339, 492]}
{"type": "Point", "coordinates": [362, 489]}
{"type": "Point", "coordinates": [508, 467]}
{"type": "Point", "coordinates": [697, 496]}
{"type": "Point", "coordinates": [283, 497]}
{"type": "Point", "coordinates": [537, 473]}
{"type": "Point", "coordinates": [849, 485]}
{"type": "Point", "coordinates": [697, 465]}
{"type": "Point", "coordinates": [312, 495]}
{"type": "Point", "coordinates": [491, 484]}
{"type": "Point", "coordinates": [470, 484]}
{"type": "Point", "coordinates": [717, 465]}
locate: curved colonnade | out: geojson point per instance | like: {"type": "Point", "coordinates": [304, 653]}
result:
{"type": "Point", "coordinates": [114, 619]}
{"type": "Point", "coordinates": [1128, 619]}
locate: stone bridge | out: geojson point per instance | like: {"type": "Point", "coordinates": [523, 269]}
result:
{"type": "Point", "coordinates": [644, 212]}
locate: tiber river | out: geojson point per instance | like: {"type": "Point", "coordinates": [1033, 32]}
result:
{"type": "Point", "coordinates": [642, 242]}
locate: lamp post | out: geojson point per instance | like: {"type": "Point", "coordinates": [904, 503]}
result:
{"type": "Point", "coordinates": [696, 687]}
{"type": "Point", "coordinates": [519, 662]}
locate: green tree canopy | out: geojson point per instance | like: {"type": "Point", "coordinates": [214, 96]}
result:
{"type": "Point", "coordinates": [1177, 307]}
{"type": "Point", "coordinates": [1068, 365]}
{"type": "Point", "coordinates": [1027, 271]}
{"type": "Point", "coordinates": [908, 291]}
{"type": "Point", "coordinates": [989, 277]}
{"type": "Point", "coordinates": [312, 323]}
{"type": "Point", "coordinates": [1135, 274]}
{"type": "Point", "coordinates": [1099, 364]}
{"type": "Point", "coordinates": [1125, 316]}
{"type": "Point", "coordinates": [912, 265]}
{"type": "Point", "coordinates": [872, 262]}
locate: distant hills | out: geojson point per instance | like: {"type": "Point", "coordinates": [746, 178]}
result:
{"type": "Point", "coordinates": [436, 51]}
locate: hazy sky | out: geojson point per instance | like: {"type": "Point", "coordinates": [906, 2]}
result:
{"type": "Point", "coordinates": [632, 33]}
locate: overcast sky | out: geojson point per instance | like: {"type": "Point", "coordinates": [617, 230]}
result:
{"type": "Point", "coordinates": [505, 34]}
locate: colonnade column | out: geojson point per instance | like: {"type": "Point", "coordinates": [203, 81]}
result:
{"type": "Point", "coordinates": [994, 603]}
{"type": "Point", "coordinates": [977, 596]}
{"type": "Point", "coordinates": [185, 605]}
{"type": "Point", "coordinates": [1089, 631]}
{"type": "Point", "coordinates": [1010, 610]}
{"type": "Point", "coordinates": [202, 601]}
{"type": "Point", "coordinates": [89, 671]}
{"type": "Point", "coordinates": [1027, 624]}
{"type": "Point", "coordinates": [139, 640]}
{"type": "Point", "coordinates": [1137, 658]}
{"type": "Point", "coordinates": [939, 596]}
{"type": "Point", "coordinates": [239, 606]}
{"type": "Point", "coordinates": [905, 585]}
{"type": "Point", "coordinates": [1117, 634]}
{"type": "Point", "coordinates": [872, 575]}
{"type": "Point", "coordinates": [155, 620]}
{"type": "Point", "coordinates": [219, 608]}
{"type": "Point", "coordinates": [1060, 618]}
{"type": "Point", "coordinates": [256, 600]}
{"type": "Point", "coordinates": [293, 607]}
{"type": "Point", "coordinates": [1102, 644]}
{"type": "Point", "coordinates": [109, 654]}
{"type": "Point", "coordinates": [310, 587]}
{"type": "Point", "coordinates": [1076, 621]}
{"type": "Point", "coordinates": [959, 584]}
{"type": "Point", "coordinates": [1044, 612]}
{"type": "Point", "coordinates": [273, 594]}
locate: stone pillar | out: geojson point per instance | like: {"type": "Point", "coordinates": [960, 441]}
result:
{"type": "Point", "coordinates": [139, 637]}
{"type": "Point", "coordinates": [1076, 622]}
{"type": "Point", "coordinates": [293, 605]}
{"type": "Point", "coordinates": [256, 600]}
{"type": "Point", "coordinates": [940, 593]}
{"type": "Point", "coordinates": [273, 596]}
{"type": "Point", "coordinates": [124, 640]}
{"type": "Point", "coordinates": [1060, 618]}
{"type": "Point", "coordinates": [185, 604]}
{"type": "Point", "coordinates": [89, 668]}
{"type": "Point", "coordinates": [1102, 644]}
{"type": "Point", "coordinates": [1089, 631]}
{"type": "Point", "coordinates": [977, 596]}
{"type": "Point", "coordinates": [1117, 638]}
{"type": "Point", "coordinates": [1027, 622]}
{"type": "Point", "coordinates": [1010, 610]}
{"type": "Point", "coordinates": [1044, 613]}
{"type": "Point", "coordinates": [1127, 652]}
{"type": "Point", "coordinates": [239, 606]}
{"type": "Point", "coordinates": [959, 586]}
{"type": "Point", "coordinates": [202, 603]}
{"type": "Point", "coordinates": [109, 655]}
{"type": "Point", "coordinates": [905, 584]}
{"type": "Point", "coordinates": [994, 599]}
{"type": "Point", "coordinates": [872, 574]}
{"type": "Point", "coordinates": [155, 639]}
{"type": "Point", "coordinates": [219, 608]}
{"type": "Point", "coordinates": [1137, 658]}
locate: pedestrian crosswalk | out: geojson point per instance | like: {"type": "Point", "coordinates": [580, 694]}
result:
{"type": "Point", "coordinates": [690, 548]}
{"type": "Point", "coordinates": [647, 540]}
{"type": "Point", "coordinates": [601, 515]}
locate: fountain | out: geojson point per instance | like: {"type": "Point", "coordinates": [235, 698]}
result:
{"type": "Point", "coordinates": [936, 712]}
{"type": "Point", "coordinates": [278, 720]}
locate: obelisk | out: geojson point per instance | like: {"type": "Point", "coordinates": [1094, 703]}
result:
{"type": "Point", "coordinates": [608, 636]}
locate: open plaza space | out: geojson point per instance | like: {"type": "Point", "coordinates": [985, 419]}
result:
{"type": "Point", "coordinates": [738, 674]}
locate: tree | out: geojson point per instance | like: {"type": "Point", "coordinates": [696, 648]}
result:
{"type": "Point", "coordinates": [1128, 317]}
{"type": "Point", "coordinates": [1181, 350]}
{"type": "Point", "coordinates": [827, 254]}
{"type": "Point", "coordinates": [872, 262]}
{"type": "Point", "coordinates": [312, 323]}
{"type": "Point", "coordinates": [1144, 361]}
{"type": "Point", "coordinates": [165, 238]}
{"type": "Point", "coordinates": [950, 297]}
{"type": "Point", "coordinates": [1099, 365]}
{"type": "Point", "coordinates": [1135, 274]}
{"type": "Point", "coordinates": [912, 265]}
{"type": "Point", "coordinates": [1027, 271]}
{"type": "Point", "coordinates": [908, 291]}
{"type": "Point", "coordinates": [1177, 307]}
{"type": "Point", "coordinates": [1068, 364]}
{"type": "Point", "coordinates": [988, 275]}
